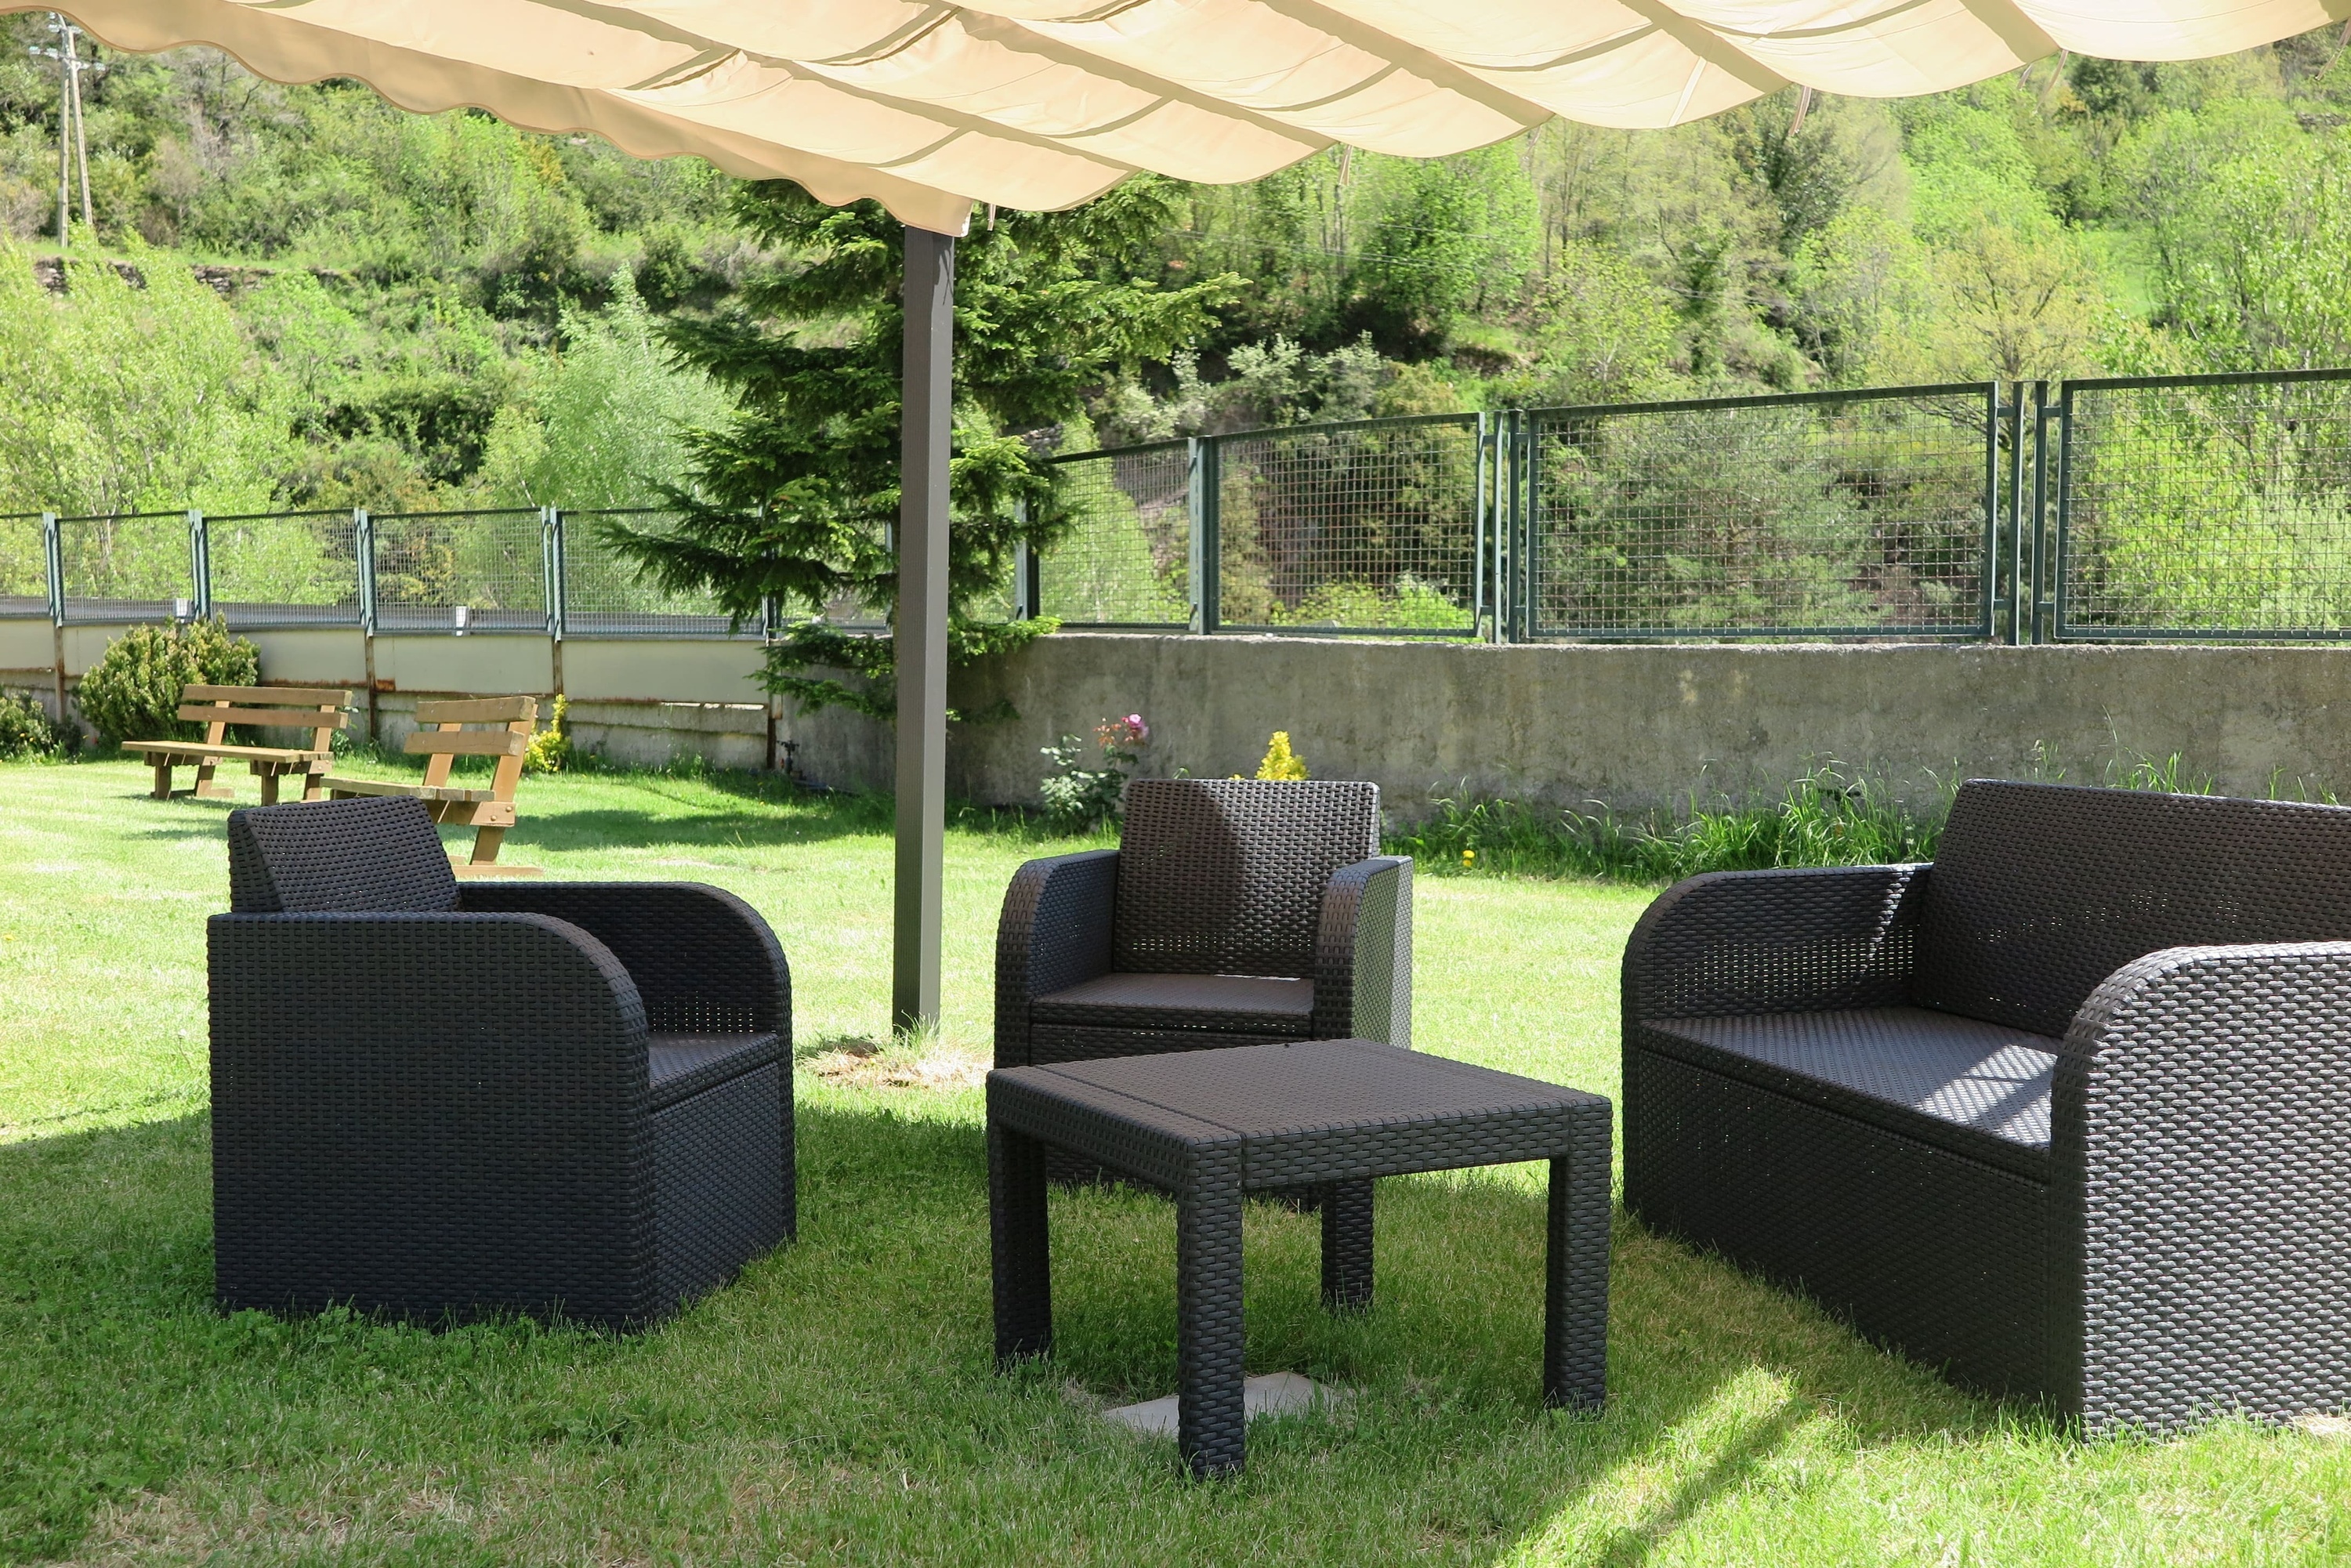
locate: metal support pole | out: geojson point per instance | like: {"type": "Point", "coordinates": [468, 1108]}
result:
{"type": "Point", "coordinates": [363, 549]}
{"type": "Point", "coordinates": [1522, 493]}
{"type": "Point", "coordinates": [551, 547]}
{"type": "Point", "coordinates": [2018, 573]}
{"type": "Point", "coordinates": [1027, 578]}
{"type": "Point", "coordinates": [200, 565]}
{"type": "Point", "coordinates": [2042, 409]}
{"type": "Point", "coordinates": [921, 628]}
{"type": "Point", "coordinates": [53, 557]}
{"type": "Point", "coordinates": [1478, 622]}
{"type": "Point", "coordinates": [1203, 487]}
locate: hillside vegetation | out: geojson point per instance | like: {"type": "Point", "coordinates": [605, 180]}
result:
{"type": "Point", "coordinates": [403, 311]}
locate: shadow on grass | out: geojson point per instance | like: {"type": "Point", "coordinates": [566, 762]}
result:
{"type": "Point", "coordinates": [866, 1349]}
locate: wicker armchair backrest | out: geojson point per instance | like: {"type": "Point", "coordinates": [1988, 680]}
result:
{"type": "Point", "coordinates": [2041, 890]}
{"type": "Point", "coordinates": [374, 853]}
{"type": "Point", "coordinates": [1227, 876]}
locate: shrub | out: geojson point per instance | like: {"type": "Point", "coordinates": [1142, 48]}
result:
{"type": "Point", "coordinates": [27, 730]}
{"type": "Point", "coordinates": [550, 748]}
{"type": "Point", "coordinates": [1279, 761]}
{"type": "Point", "coordinates": [133, 690]}
{"type": "Point", "coordinates": [1078, 796]}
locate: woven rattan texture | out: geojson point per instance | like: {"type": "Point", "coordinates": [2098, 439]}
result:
{"type": "Point", "coordinates": [1227, 876]}
{"type": "Point", "coordinates": [704, 960]}
{"type": "Point", "coordinates": [1275, 1116]}
{"type": "Point", "coordinates": [1054, 932]}
{"type": "Point", "coordinates": [2185, 1247]}
{"type": "Point", "coordinates": [2203, 1157]}
{"type": "Point", "coordinates": [373, 854]}
{"type": "Point", "coordinates": [1924, 1250]}
{"type": "Point", "coordinates": [439, 1113]}
{"type": "Point", "coordinates": [718, 1202]}
{"type": "Point", "coordinates": [2041, 890]}
{"type": "Point", "coordinates": [1779, 941]}
{"type": "Point", "coordinates": [1978, 1089]}
{"type": "Point", "coordinates": [1236, 1004]}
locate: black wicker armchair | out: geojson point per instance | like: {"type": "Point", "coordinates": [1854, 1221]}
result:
{"type": "Point", "coordinates": [2067, 1113]}
{"type": "Point", "coordinates": [436, 1102]}
{"type": "Point", "coordinates": [1232, 913]}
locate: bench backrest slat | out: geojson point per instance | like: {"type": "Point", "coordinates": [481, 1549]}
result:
{"type": "Point", "coordinates": [448, 738]}
{"type": "Point", "coordinates": [2041, 890]}
{"type": "Point", "coordinates": [322, 710]}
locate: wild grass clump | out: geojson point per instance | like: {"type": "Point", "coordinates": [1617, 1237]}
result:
{"type": "Point", "coordinates": [1825, 817]}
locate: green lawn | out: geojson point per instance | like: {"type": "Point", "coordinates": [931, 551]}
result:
{"type": "Point", "coordinates": [837, 1403]}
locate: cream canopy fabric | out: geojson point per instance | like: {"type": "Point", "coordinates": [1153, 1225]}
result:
{"type": "Point", "coordinates": [930, 108]}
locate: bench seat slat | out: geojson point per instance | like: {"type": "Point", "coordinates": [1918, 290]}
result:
{"type": "Point", "coordinates": [413, 791]}
{"type": "Point", "coordinates": [197, 750]}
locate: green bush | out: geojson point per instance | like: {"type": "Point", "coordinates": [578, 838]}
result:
{"type": "Point", "coordinates": [27, 730]}
{"type": "Point", "coordinates": [133, 690]}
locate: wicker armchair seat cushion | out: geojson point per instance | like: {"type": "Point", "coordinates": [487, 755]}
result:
{"type": "Point", "coordinates": [1225, 1004]}
{"type": "Point", "coordinates": [1976, 1088]}
{"type": "Point", "coordinates": [683, 1065]}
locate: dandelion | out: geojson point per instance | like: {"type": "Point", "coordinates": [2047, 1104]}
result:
{"type": "Point", "coordinates": [1468, 860]}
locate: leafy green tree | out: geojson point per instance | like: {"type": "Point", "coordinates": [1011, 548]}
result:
{"type": "Point", "coordinates": [793, 498]}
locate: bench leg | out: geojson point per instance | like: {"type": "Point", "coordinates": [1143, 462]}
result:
{"type": "Point", "coordinates": [1576, 1279]}
{"type": "Point", "coordinates": [314, 785]}
{"type": "Point", "coordinates": [270, 789]}
{"type": "Point", "coordinates": [163, 781]}
{"type": "Point", "coordinates": [207, 789]}
{"type": "Point", "coordinates": [1211, 1420]}
{"type": "Point", "coordinates": [1017, 1245]}
{"type": "Point", "coordinates": [486, 844]}
{"type": "Point", "coordinates": [1347, 1246]}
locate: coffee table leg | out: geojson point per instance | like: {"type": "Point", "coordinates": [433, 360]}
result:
{"type": "Point", "coordinates": [1347, 1246]}
{"type": "Point", "coordinates": [1211, 1423]}
{"type": "Point", "coordinates": [1019, 1245]}
{"type": "Point", "coordinates": [1575, 1283]}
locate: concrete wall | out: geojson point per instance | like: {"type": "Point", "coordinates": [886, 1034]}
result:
{"type": "Point", "coordinates": [1633, 727]}
{"type": "Point", "coordinates": [1638, 727]}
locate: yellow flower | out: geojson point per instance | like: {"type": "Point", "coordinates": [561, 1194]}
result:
{"type": "Point", "coordinates": [1281, 762]}
{"type": "Point", "coordinates": [1468, 859]}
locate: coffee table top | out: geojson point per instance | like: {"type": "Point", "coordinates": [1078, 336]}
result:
{"type": "Point", "coordinates": [1303, 1111]}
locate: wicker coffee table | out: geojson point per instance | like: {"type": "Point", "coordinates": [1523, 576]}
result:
{"type": "Point", "coordinates": [1331, 1114]}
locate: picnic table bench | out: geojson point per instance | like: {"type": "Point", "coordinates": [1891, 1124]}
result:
{"type": "Point", "coordinates": [442, 734]}
{"type": "Point", "coordinates": [321, 710]}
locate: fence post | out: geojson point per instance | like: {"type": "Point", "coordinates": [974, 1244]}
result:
{"type": "Point", "coordinates": [1504, 548]}
{"type": "Point", "coordinates": [2018, 542]}
{"type": "Point", "coordinates": [200, 564]}
{"type": "Point", "coordinates": [1992, 513]}
{"type": "Point", "coordinates": [1205, 490]}
{"type": "Point", "coordinates": [551, 565]}
{"type": "Point", "coordinates": [53, 557]}
{"type": "Point", "coordinates": [363, 552]}
{"type": "Point", "coordinates": [1523, 487]}
{"type": "Point", "coordinates": [2043, 565]}
{"type": "Point", "coordinates": [1028, 582]}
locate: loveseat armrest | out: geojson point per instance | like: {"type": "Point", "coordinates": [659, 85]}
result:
{"type": "Point", "coordinates": [705, 961]}
{"type": "Point", "coordinates": [2200, 1160]}
{"type": "Point", "coordinates": [1363, 953]}
{"type": "Point", "coordinates": [381, 1082]}
{"type": "Point", "coordinates": [1774, 941]}
{"type": "Point", "coordinates": [1054, 932]}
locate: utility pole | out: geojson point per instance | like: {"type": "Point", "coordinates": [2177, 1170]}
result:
{"type": "Point", "coordinates": [73, 135]}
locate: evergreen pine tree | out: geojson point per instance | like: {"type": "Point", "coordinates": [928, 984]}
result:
{"type": "Point", "coordinates": [792, 498]}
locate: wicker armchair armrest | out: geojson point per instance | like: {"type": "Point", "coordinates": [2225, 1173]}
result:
{"type": "Point", "coordinates": [1363, 953]}
{"type": "Point", "coordinates": [1055, 931]}
{"type": "Point", "coordinates": [2201, 1155]}
{"type": "Point", "coordinates": [705, 961]}
{"type": "Point", "coordinates": [1774, 941]}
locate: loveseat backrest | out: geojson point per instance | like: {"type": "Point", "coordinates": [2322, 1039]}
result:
{"type": "Point", "coordinates": [2041, 890]}
{"type": "Point", "coordinates": [1227, 876]}
{"type": "Point", "coordinates": [307, 857]}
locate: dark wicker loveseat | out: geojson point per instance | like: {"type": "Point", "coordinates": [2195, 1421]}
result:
{"type": "Point", "coordinates": [1233, 911]}
{"type": "Point", "coordinates": [435, 1103]}
{"type": "Point", "coordinates": [2067, 1113]}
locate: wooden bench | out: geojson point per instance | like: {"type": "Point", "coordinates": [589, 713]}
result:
{"type": "Point", "coordinates": [318, 710]}
{"type": "Point", "coordinates": [442, 734]}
